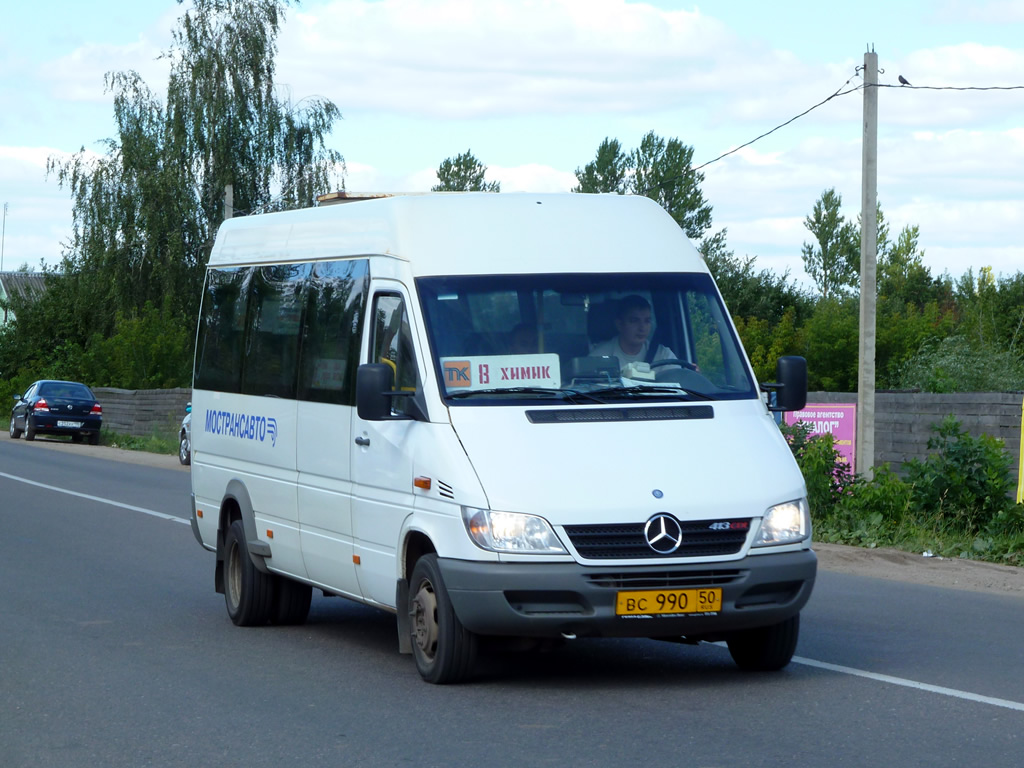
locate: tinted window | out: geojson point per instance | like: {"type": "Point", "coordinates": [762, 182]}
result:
{"type": "Point", "coordinates": [69, 390]}
{"type": "Point", "coordinates": [335, 306]}
{"type": "Point", "coordinates": [219, 346]}
{"type": "Point", "coordinates": [271, 359]}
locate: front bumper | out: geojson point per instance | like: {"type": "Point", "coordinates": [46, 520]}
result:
{"type": "Point", "coordinates": [550, 600]}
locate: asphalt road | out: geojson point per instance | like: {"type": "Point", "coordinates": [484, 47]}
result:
{"type": "Point", "coordinates": [116, 651]}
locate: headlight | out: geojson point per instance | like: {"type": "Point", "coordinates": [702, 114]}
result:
{"type": "Point", "coordinates": [510, 532]}
{"type": "Point", "coordinates": [785, 523]}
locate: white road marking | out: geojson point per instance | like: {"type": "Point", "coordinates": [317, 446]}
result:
{"type": "Point", "coordinates": [111, 502]}
{"type": "Point", "coordinates": [911, 684]}
{"type": "Point", "coordinates": [966, 695]}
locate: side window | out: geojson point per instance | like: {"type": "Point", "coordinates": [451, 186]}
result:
{"type": "Point", "coordinates": [221, 330]}
{"type": "Point", "coordinates": [333, 327]}
{"type": "Point", "coordinates": [275, 317]}
{"type": "Point", "coordinates": [392, 342]}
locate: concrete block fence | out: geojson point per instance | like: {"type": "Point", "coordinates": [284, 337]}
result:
{"type": "Point", "coordinates": [903, 420]}
{"type": "Point", "coordinates": [143, 412]}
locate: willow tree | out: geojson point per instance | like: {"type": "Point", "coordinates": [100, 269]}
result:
{"type": "Point", "coordinates": [146, 210]}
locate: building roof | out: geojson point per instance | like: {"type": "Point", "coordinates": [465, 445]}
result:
{"type": "Point", "coordinates": [22, 284]}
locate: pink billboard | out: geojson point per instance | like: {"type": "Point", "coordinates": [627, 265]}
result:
{"type": "Point", "coordinates": [837, 419]}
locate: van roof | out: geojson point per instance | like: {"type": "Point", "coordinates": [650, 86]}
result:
{"type": "Point", "coordinates": [471, 233]}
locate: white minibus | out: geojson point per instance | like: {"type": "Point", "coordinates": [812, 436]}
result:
{"type": "Point", "coordinates": [494, 416]}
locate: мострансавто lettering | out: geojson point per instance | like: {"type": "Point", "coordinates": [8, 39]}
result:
{"type": "Point", "coordinates": [244, 426]}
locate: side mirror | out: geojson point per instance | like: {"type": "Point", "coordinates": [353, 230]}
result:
{"type": "Point", "coordinates": [790, 385]}
{"type": "Point", "coordinates": [17, 398]}
{"type": "Point", "coordinates": [374, 384]}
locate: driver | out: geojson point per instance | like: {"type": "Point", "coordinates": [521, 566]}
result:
{"type": "Point", "coordinates": [633, 323]}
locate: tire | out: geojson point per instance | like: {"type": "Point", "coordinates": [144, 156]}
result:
{"type": "Point", "coordinates": [184, 450]}
{"type": "Point", "coordinates": [765, 649]}
{"type": "Point", "coordinates": [248, 592]}
{"type": "Point", "coordinates": [94, 438]}
{"type": "Point", "coordinates": [76, 438]}
{"type": "Point", "coordinates": [30, 431]}
{"type": "Point", "coordinates": [444, 650]}
{"type": "Point", "coordinates": [291, 602]}
{"type": "Point", "coordinates": [14, 432]}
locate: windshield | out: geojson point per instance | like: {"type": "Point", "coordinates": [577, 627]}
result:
{"type": "Point", "coordinates": [583, 338]}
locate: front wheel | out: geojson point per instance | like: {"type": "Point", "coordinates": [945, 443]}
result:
{"type": "Point", "coordinates": [444, 649]}
{"type": "Point", "coordinates": [184, 450]}
{"type": "Point", "coordinates": [14, 432]}
{"type": "Point", "coordinates": [765, 649]}
{"type": "Point", "coordinates": [248, 592]}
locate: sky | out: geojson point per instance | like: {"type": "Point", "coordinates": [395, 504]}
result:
{"type": "Point", "coordinates": [532, 87]}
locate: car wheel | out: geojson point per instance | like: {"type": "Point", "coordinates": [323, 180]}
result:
{"type": "Point", "coordinates": [94, 438]}
{"type": "Point", "coordinates": [76, 438]}
{"type": "Point", "coordinates": [765, 649]}
{"type": "Point", "coordinates": [184, 450]}
{"type": "Point", "coordinates": [30, 430]}
{"type": "Point", "coordinates": [291, 602]}
{"type": "Point", "coordinates": [14, 432]}
{"type": "Point", "coordinates": [444, 649]}
{"type": "Point", "coordinates": [248, 592]}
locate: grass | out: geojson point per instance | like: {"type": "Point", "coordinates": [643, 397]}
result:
{"type": "Point", "coordinates": [166, 444]}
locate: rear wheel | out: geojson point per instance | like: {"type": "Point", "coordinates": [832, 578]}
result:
{"type": "Point", "coordinates": [30, 430]}
{"type": "Point", "coordinates": [444, 649]}
{"type": "Point", "coordinates": [765, 649]}
{"type": "Point", "coordinates": [94, 438]}
{"type": "Point", "coordinates": [248, 592]}
{"type": "Point", "coordinates": [291, 602]}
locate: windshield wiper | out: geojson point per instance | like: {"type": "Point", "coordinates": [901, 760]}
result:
{"type": "Point", "coordinates": [649, 389]}
{"type": "Point", "coordinates": [562, 394]}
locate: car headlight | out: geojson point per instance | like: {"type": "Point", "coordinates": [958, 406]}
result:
{"type": "Point", "coordinates": [785, 523]}
{"type": "Point", "coordinates": [510, 532]}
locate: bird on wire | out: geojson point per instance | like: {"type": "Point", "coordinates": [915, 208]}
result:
{"type": "Point", "coordinates": [903, 80]}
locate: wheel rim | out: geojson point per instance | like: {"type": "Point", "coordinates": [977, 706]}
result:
{"type": "Point", "coordinates": [424, 620]}
{"type": "Point", "coordinates": [234, 580]}
{"type": "Point", "coordinates": [183, 449]}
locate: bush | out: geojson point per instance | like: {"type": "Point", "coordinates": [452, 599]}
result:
{"type": "Point", "coordinates": [825, 474]}
{"type": "Point", "coordinates": [966, 483]}
{"type": "Point", "coordinates": [955, 504]}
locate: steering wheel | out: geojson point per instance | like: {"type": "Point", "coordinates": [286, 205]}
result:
{"type": "Point", "coordinates": [675, 361]}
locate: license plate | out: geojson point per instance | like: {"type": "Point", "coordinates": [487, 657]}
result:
{"type": "Point", "coordinates": [72, 424]}
{"type": "Point", "coordinates": [662, 601]}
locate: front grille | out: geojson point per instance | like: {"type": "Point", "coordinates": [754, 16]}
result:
{"type": "Point", "coordinates": [626, 540]}
{"type": "Point", "coordinates": [665, 579]}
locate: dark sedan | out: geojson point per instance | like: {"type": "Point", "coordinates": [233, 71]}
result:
{"type": "Point", "coordinates": [57, 408]}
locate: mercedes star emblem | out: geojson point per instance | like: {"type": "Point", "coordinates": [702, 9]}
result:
{"type": "Point", "coordinates": [663, 534]}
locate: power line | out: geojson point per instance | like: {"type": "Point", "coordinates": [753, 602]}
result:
{"type": "Point", "coordinates": [839, 92]}
{"type": "Point", "coordinates": [836, 94]}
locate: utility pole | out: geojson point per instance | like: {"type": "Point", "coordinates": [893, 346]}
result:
{"type": "Point", "coordinates": [865, 459]}
{"type": "Point", "coordinates": [229, 201]}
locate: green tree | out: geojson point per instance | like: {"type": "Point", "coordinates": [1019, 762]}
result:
{"type": "Point", "coordinates": [608, 172]}
{"type": "Point", "coordinates": [463, 173]}
{"type": "Point", "coordinates": [830, 345]}
{"type": "Point", "coordinates": [662, 172]}
{"type": "Point", "coordinates": [833, 260]}
{"type": "Point", "coordinates": [145, 212]}
{"type": "Point", "coordinates": [658, 169]}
